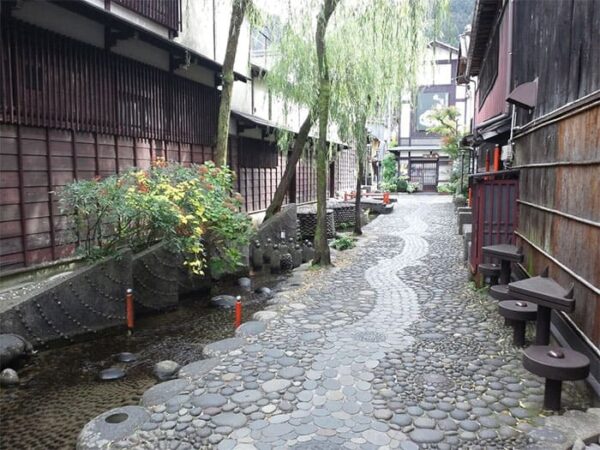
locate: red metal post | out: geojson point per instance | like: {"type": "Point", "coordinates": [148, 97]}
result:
{"type": "Point", "coordinates": [497, 158]}
{"type": "Point", "coordinates": [238, 311]}
{"type": "Point", "coordinates": [130, 311]}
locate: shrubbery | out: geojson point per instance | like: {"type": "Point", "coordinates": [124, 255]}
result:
{"type": "Point", "coordinates": [343, 243]}
{"type": "Point", "coordinates": [186, 207]}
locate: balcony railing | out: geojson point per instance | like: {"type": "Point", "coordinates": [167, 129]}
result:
{"type": "Point", "coordinates": [164, 12]}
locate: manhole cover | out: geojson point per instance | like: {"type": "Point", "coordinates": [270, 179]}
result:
{"type": "Point", "coordinates": [369, 336]}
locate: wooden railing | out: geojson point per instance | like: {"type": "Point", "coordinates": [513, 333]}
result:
{"type": "Point", "coordinates": [164, 12]}
{"type": "Point", "coordinates": [52, 81]}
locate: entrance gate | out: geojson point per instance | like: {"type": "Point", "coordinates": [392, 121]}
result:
{"type": "Point", "coordinates": [424, 172]}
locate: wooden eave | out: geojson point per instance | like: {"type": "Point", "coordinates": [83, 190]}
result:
{"type": "Point", "coordinates": [112, 20]}
{"type": "Point", "coordinates": [484, 21]}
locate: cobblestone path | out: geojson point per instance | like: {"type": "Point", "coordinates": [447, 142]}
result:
{"type": "Point", "coordinates": [390, 349]}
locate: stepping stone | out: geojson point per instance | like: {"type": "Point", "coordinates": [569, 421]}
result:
{"type": "Point", "coordinates": [383, 414]}
{"type": "Point", "coordinates": [251, 328]}
{"type": "Point", "coordinates": [402, 419]}
{"type": "Point", "coordinates": [469, 425]}
{"type": "Point", "coordinates": [199, 368]}
{"type": "Point", "coordinates": [424, 422]}
{"type": "Point", "coordinates": [249, 396]}
{"type": "Point", "coordinates": [328, 422]}
{"type": "Point", "coordinates": [264, 316]}
{"type": "Point", "coordinates": [245, 283]}
{"type": "Point", "coordinates": [277, 429]}
{"type": "Point", "coordinates": [275, 385]}
{"type": "Point", "coordinates": [263, 290]}
{"type": "Point", "coordinates": [125, 357]}
{"type": "Point", "coordinates": [376, 437]}
{"type": "Point", "coordinates": [310, 336]}
{"type": "Point", "coordinates": [111, 374]}
{"type": "Point", "coordinates": [162, 392]}
{"type": "Point", "coordinates": [291, 372]}
{"type": "Point", "coordinates": [223, 301]}
{"type": "Point", "coordinates": [166, 370]}
{"type": "Point", "coordinates": [426, 436]}
{"type": "Point", "coordinates": [229, 419]}
{"type": "Point", "coordinates": [112, 426]}
{"type": "Point", "coordinates": [209, 400]}
{"type": "Point", "coordinates": [222, 347]}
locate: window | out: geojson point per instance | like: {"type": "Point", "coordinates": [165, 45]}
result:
{"type": "Point", "coordinates": [489, 68]}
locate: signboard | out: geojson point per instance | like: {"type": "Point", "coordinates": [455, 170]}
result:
{"type": "Point", "coordinates": [426, 102]}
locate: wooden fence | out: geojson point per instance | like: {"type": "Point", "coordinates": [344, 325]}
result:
{"type": "Point", "coordinates": [495, 212]}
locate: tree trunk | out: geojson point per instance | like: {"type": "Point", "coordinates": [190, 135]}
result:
{"type": "Point", "coordinates": [361, 153]}
{"type": "Point", "coordinates": [290, 168]}
{"type": "Point", "coordinates": [237, 18]}
{"type": "Point", "coordinates": [322, 254]}
{"type": "Point", "coordinates": [357, 209]}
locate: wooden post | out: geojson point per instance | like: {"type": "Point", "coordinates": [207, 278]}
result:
{"type": "Point", "coordinates": [238, 311]}
{"type": "Point", "coordinates": [130, 311]}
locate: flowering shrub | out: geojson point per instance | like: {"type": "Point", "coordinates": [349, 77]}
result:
{"type": "Point", "coordinates": [187, 207]}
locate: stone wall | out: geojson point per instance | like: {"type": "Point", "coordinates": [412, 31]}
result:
{"type": "Point", "coordinates": [285, 221]}
{"type": "Point", "coordinates": [86, 301]}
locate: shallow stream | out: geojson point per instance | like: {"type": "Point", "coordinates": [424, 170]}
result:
{"type": "Point", "coordinates": [60, 391]}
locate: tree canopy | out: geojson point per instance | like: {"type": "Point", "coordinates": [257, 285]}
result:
{"type": "Point", "coordinates": [347, 62]}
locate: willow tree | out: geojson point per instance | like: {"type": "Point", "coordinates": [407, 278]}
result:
{"type": "Point", "coordinates": [344, 74]}
{"type": "Point", "coordinates": [376, 52]}
{"type": "Point", "coordinates": [322, 254]}
{"type": "Point", "coordinates": [238, 12]}
{"type": "Point", "coordinates": [293, 78]}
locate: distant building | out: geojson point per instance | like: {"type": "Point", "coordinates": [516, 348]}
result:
{"type": "Point", "coordinates": [419, 152]}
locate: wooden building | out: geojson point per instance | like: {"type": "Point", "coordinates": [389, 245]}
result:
{"type": "Point", "coordinates": [538, 96]}
{"type": "Point", "coordinates": [90, 88]}
{"type": "Point", "coordinates": [418, 152]}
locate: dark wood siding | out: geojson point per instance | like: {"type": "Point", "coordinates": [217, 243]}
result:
{"type": "Point", "coordinates": [164, 12]}
{"type": "Point", "coordinates": [559, 43]}
{"type": "Point", "coordinates": [36, 162]}
{"type": "Point", "coordinates": [53, 81]}
{"type": "Point", "coordinates": [559, 205]}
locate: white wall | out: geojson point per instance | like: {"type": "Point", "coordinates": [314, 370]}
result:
{"type": "Point", "coordinates": [201, 35]}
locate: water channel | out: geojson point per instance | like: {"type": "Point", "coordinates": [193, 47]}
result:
{"type": "Point", "coordinates": [60, 391]}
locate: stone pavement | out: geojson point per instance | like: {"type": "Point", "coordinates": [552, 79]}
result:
{"type": "Point", "coordinates": [390, 349]}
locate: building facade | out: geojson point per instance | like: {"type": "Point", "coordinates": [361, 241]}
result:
{"type": "Point", "coordinates": [419, 153]}
{"type": "Point", "coordinates": [94, 87]}
{"type": "Point", "coordinates": [537, 116]}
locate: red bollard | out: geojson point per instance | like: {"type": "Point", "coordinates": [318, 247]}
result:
{"type": "Point", "coordinates": [497, 155]}
{"type": "Point", "coordinates": [129, 308]}
{"type": "Point", "coordinates": [386, 198]}
{"type": "Point", "coordinates": [238, 311]}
